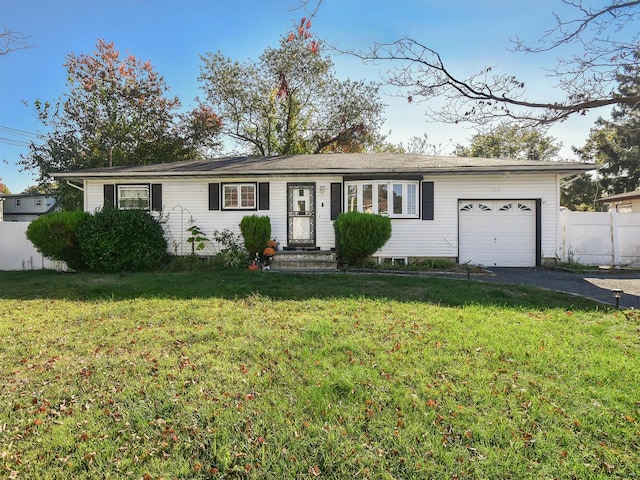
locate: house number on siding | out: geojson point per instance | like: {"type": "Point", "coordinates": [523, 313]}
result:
{"type": "Point", "coordinates": [495, 189]}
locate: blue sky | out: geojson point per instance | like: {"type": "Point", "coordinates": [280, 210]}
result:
{"type": "Point", "coordinates": [172, 34]}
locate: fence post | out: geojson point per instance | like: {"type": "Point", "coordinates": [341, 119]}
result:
{"type": "Point", "coordinates": [563, 233]}
{"type": "Point", "coordinates": [615, 243]}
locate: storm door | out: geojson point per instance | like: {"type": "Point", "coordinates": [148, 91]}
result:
{"type": "Point", "coordinates": [301, 215]}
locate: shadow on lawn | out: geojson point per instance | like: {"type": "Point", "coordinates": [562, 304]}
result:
{"type": "Point", "coordinates": [231, 284]}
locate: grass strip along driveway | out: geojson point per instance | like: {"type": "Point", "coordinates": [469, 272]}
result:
{"type": "Point", "coordinates": [237, 374]}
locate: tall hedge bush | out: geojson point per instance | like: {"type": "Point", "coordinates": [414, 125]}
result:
{"type": "Point", "coordinates": [55, 236]}
{"type": "Point", "coordinates": [114, 241]}
{"type": "Point", "coordinates": [256, 232]}
{"type": "Point", "coordinates": [360, 235]}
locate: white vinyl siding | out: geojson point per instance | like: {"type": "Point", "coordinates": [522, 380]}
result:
{"type": "Point", "coordinates": [186, 203]}
{"type": "Point", "coordinates": [439, 237]}
{"type": "Point", "coordinates": [186, 199]}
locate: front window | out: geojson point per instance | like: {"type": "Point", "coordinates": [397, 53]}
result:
{"type": "Point", "coordinates": [397, 198]}
{"type": "Point", "coordinates": [241, 196]}
{"type": "Point", "coordinates": [367, 198]}
{"type": "Point", "coordinates": [383, 199]}
{"type": "Point", "coordinates": [352, 197]}
{"type": "Point", "coordinates": [133, 197]}
{"type": "Point", "coordinates": [394, 199]}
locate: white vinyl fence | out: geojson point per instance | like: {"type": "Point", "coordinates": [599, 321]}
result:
{"type": "Point", "coordinates": [600, 238]}
{"type": "Point", "coordinates": [18, 253]}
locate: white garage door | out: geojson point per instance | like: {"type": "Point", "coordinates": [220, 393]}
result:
{"type": "Point", "coordinates": [497, 233]}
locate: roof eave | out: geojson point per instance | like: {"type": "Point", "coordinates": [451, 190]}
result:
{"type": "Point", "coordinates": [560, 169]}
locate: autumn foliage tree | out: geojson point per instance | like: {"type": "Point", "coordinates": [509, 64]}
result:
{"type": "Point", "coordinates": [290, 101]}
{"type": "Point", "coordinates": [3, 188]}
{"type": "Point", "coordinates": [116, 112]}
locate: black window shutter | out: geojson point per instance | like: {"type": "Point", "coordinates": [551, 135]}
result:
{"type": "Point", "coordinates": [336, 200]}
{"type": "Point", "coordinates": [427, 201]}
{"type": "Point", "coordinates": [263, 196]}
{"type": "Point", "coordinates": [156, 197]}
{"type": "Point", "coordinates": [109, 195]}
{"type": "Point", "coordinates": [214, 196]}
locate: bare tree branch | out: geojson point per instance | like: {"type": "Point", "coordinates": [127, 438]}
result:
{"type": "Point", "coordinates": [10, 41]}
{"type": "Point", "coordinates": [585, 81]}
{"type": "Point", "coordinates": [618, 14]}
{"type": "Point", "coordinates": [310, 7]}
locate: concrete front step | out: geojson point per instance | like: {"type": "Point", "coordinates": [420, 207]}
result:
{"type": "Point", "coordinates": [304, 260]}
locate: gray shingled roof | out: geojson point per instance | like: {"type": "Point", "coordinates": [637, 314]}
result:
{"type": "Point", "coordinates": [336, 164]}
{"type": "Point", "coordinates": [620, 197]}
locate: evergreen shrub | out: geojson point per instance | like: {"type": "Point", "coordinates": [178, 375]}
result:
{"type": "Point", "coordinates": [256, 232]}
{"type": "Point", "coordinates": [114, 241]}
{"type": "Point", "coordinates": [360, 235]}
{"type": "Point", "coordinates": [55, 236]}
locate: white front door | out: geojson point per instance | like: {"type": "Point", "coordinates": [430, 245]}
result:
{"type": "Point", "coordinates": [497, 233]}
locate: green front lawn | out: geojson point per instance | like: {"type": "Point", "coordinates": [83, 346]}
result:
{"type": "Point", "coordinates": [237, 374]}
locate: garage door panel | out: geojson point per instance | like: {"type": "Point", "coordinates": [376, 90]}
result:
{"type": "Point", "coordinates": [497, 232]}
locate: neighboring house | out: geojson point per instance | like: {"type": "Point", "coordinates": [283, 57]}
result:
{"type": "Point", "coordinates": [623, 203]}
{"type": "Point", "coordinates": [482, 211]}
{"type": "Point", "coordinates": [25, 207]}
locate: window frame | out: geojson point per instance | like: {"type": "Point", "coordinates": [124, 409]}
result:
{"type": "Point", "coordinates": [238, 186]}
{"type": "Point", "coordinates": [356, 190]}
{"type": "Point", "coordinates": [125, 186]}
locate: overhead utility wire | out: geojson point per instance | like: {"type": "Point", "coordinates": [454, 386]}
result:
{"type": "Point", "coordinates": [15, 143]}
{"type": "Point", "coordinates": [17, 132]}
{"type": "Point", "coordinates": [22, 137]}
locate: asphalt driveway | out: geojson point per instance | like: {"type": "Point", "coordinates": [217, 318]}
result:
{"type": "Point", "coordinates": [595, 284]}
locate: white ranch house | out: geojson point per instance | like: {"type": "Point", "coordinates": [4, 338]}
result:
{"type": "Point", "coordinates": [491, 212]}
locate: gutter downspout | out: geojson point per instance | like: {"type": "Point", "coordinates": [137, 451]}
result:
{"type": "Point", "coordinates": [75, 186]}
{"type": "Point", "coordinates": [82, 189]}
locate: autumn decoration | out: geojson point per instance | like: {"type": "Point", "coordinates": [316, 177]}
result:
{"type": "Point", "coordinates": [263, 261]}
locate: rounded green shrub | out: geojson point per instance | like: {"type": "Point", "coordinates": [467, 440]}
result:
{"type": "Point", "coordinates": [256, 232]}
{"type": "Point", "coordinates": [114, 241]}
{"type": "Point", "coordinates": [55, 236]}
{"type": "Point", "coordinates": [360, 235]}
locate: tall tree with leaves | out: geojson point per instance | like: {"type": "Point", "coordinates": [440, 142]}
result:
{"type": "Point", "coordinates": [510, 141]}
{"type": "Point", "coordinates": [290, 101]}
{"type": "Point", "coordinates": [615, 143]}
{"type": "Point", "coordinates": [116, 112]}
{"type": "Point", "coordinates": [579, 193]}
